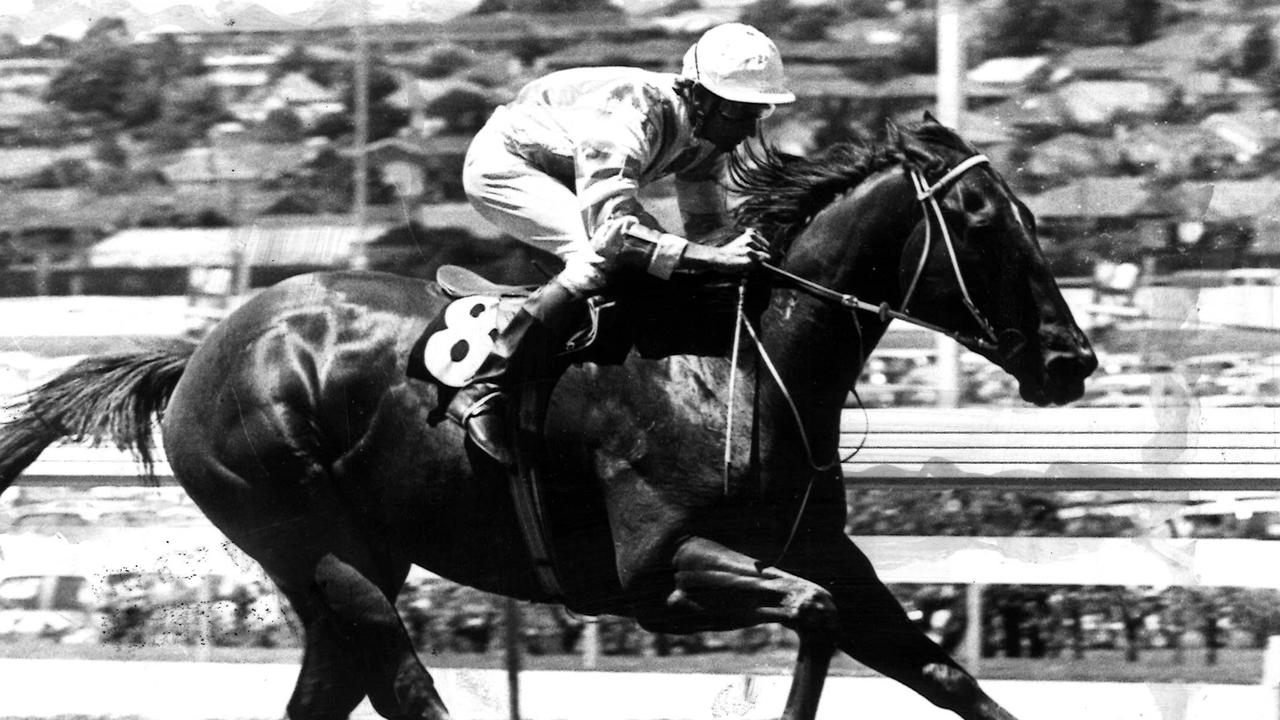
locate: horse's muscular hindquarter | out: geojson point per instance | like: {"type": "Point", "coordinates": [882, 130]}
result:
{"type": "Point", "coordinates": [248, 440]}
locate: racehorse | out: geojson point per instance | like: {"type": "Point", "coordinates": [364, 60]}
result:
{"type": "Point", "coordinates": [295, 429]}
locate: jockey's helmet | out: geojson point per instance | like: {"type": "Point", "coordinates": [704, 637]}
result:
{"type": "Point", "coordinates": [738, 62]}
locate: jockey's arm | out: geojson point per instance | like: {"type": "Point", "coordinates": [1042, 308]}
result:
{"type": "Point", "coordinates": [640, 246]}
{"type": "Point", "coordinates": [626, 240]}
{"type": "Point", "coordinates": [700, 193]}
{"type": "Point", "coordinates": [704, 208]}
{"type": "Point", "coordinates": [608, 167]}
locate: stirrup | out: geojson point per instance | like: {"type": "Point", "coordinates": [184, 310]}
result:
{"type": "Point", "coordinates": [489, 429]}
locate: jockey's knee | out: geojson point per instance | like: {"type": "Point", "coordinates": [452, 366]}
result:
{"type": "Point", "coordinates": [581, 277]}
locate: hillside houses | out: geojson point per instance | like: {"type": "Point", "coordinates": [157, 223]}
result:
{"type": "Point", "coordinates": [1249, 207]}
{"type": "Point", "coordinates": [234, 162]}
{"type": "Point", "coordinates": [1111, 146]}
{"type": "Point", "coordinates": [294, 92]}
{"type": "Point", "coordinates": [238, 75]}
{"type": "Point", "coordinates": [658, 54]}
{"type": "Point", "coordinates": [280, 242]}
{"type": "Point", "coordinates": [21, 166]}
{"type": "Point", "coordinates": [1194, 46]}
{"type": "Point", "coordinates": [1098, 104]}
{"type": "Point", "coordinates": [1117, 218]}
{"type": "Point", "coordinates": [1107, 62]}
{"type": "Point", "coordinates": [28, 76]}
{"type": "Point", "coordinates": [1073, 154]}
{"type": "Point", "coordinates": [1012, 73]}
{"type": "Point", "coordinates": [1175, 149]}
{"type": "Point", "coordinates": [1250, 133]}
{"type": "Point", "coordinates": [19, 112]}
{"type": "Point", "coordinates": [1223, 223]}
{"type": "Point", "coordinates": [1217, 89]}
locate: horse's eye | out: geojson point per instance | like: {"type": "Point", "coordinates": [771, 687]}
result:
{"type": "Point", "coordinates": [976, 207]}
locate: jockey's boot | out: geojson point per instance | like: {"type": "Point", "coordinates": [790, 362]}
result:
{"type": "Point", "coordinates": [541, 326]}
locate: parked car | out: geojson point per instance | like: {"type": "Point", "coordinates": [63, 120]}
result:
{"type": "Point", "coordinates": [58, 606]}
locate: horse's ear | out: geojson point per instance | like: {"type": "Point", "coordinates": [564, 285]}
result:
{"type": "Point", "coordinates": [892, 132]}
{"type": "Point", "coordinates": [929, 118]}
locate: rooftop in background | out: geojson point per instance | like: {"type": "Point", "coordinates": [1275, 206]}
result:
{"type": "Point", "coordinates": [313, 241]}
{"type": "Point", "coordinates": [457, 216]}
{"type": "Point", "coordinates": [926, 86]}
{"type": "Point", "coordinates": [1008, 70]}
{"type": "Point", "coordinates": [51, 326]}
{"type": "Point", "coordinates": [1234, 199]}
{"type": "Point", "coordinates": [1095, 197]}
{"type": "Point", "coordinates": [1108, 60]}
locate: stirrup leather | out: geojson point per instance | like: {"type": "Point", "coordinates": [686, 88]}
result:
{"type": "Point", "coordinates": [480, 405]}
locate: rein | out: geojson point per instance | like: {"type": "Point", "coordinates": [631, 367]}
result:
{"type": "Point", "coordinates": [927, 195]}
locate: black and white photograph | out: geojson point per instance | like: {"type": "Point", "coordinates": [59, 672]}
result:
{"type": "Point", "coordinates": [639, 359]}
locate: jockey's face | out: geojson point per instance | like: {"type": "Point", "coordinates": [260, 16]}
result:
{"type": "Point", "coordinates": [726, 123]}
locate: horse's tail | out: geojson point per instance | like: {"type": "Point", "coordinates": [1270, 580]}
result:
{"type": "Point", "coordinates": [114, 398]}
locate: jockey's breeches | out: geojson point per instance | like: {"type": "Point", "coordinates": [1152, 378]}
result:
{"type": "Point", "coordinates": [527, 203]}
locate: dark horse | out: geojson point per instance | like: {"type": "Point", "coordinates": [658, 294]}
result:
{"type": "Point", "coordinates": [294, 428]}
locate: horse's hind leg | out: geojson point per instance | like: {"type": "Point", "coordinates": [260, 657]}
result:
{"type": "Point", "coordinates": [341, 588]}
{"type": "Point", "coordinates": [362, 618]}
{"type": "Point", "coordinates": [875, 630]}
{"type": "Point", "coordinates": [331, 682]}
{"type": "Point", "coordinates": [338, 669]}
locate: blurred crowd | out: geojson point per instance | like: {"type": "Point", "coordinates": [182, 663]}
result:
{"type": "Point", "coordinates": [1026, 621]}
{"type": "Point", "coordinates": [990, 513]}
{"type": "Point", "coordinates": [138, 607]}
{"type": "Point", "coordinates": [1069, 621]}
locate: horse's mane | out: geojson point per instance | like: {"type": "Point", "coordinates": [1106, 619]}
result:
{"type": "Point", "coordinates": [780, 192]}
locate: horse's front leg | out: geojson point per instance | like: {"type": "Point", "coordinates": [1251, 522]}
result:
{"type": "Point", "coordinates": [875, 630]}
{"type": "Point", "coordinates": [713, 581]}
{"type": "Point", "coordinates": [718, 586]}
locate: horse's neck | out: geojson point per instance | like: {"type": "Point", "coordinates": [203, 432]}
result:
{"type": "Point", "coordinates": [815, 346]}
{"type": "Point", "coordinates": [818, 347]}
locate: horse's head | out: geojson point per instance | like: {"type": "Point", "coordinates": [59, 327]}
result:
{"type": "Point", "coordinates": [973, 264]}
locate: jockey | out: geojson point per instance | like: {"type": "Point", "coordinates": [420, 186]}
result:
{"type": "Point", "coordinates": [559, 168]}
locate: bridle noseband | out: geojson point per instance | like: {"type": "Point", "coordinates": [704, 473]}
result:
{"type": "Point", "coordinates": [927, 195]}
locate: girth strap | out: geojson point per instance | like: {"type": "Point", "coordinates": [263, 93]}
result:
{"type": "Point", "coordinates": [526, 486]}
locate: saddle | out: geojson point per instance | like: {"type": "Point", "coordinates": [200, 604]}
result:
{"type": "Point", "coordinates": [656, 318]}
{"type": "Point", "coordinates": [470, 288]}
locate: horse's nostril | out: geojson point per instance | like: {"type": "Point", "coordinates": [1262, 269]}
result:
{"type": "Point", "coordinates": [1072, 365]}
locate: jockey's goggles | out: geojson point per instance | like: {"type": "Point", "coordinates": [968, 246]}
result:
{"type": "Point", "coordinates": [738, 111]}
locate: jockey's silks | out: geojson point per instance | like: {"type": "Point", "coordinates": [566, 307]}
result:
{"type": "Point", "coordinates": [607, 132]}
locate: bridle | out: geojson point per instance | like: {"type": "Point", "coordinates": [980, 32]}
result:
{"type": "Point", "coordinates": [927, 195]}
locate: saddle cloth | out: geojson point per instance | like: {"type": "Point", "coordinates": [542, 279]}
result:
{"type": "Point", "coordinates": [462, 335]}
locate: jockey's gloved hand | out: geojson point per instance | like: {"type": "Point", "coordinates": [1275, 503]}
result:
{"type": "Point", "coordinates": [624, 242]}
{"type": "Point", "coordinates": [753, 244]}
{"type": "Point", "coordinates": [735, 257]}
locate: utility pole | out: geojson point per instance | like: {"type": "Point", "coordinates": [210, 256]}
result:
{"type": "Point", "coordinates": [513, 656]}
{"type": "Point", "coordinates": [951, 103]}
{"type": "Point", "coordinates": [359, 249]}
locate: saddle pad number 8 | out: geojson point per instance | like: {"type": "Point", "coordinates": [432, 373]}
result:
{"type": "Point", "coordinates": [453, 354]}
